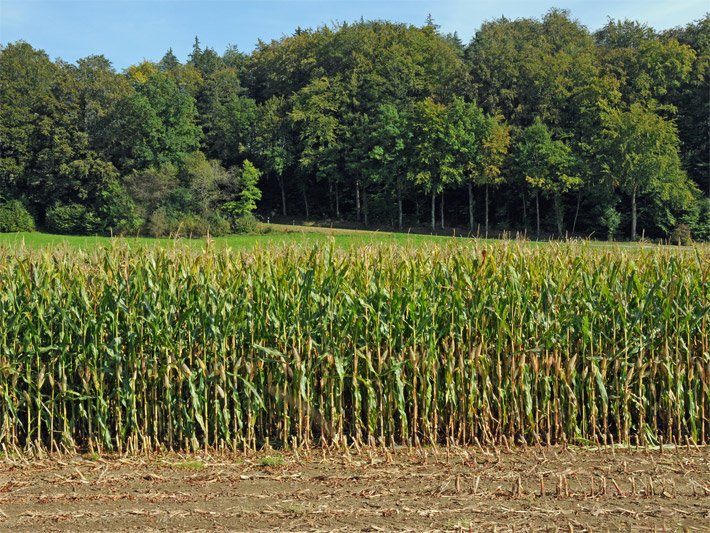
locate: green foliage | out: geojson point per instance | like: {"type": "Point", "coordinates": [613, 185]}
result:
{"type": "Point", "coordinates": [15, 217]}
{"type": "Point", "coordinates": [273, 143]}
{"type": "Point", "coordinates": [151, 187]}
{"type": "Point", "coordinates": [370, 121]}
{"type": "Point", "coordinates": [641, 158]}
{"type": "Point", "coordinates": [204, 182]}
{"type": "Point", "coordinates": [468, 130]}
{"type": "Point", "coordinates": [169, 62]}
{"type": "Point", "coordinates": [218, 225]}
{"type": "Point", "coordinates": [272, 460]}
{"type": "Point", "coordinates": [71, 219]}
{"type": "Point", "coordinates": [131, 135]}
{"type": "Point", "coordinates": [647, 67]}
{"type": "Point", "coordinates": [84, 179]}
{"type": "Point", "coordinates": [189, 465]}
{"type": "Point", "coordinates": [390, 138]}
{"type": "Point", "coordinates": [610, 220]}
{"type": "Point", "coordinates": [118, 212]}
{"type": "Point", "coordinates": [388, 135]}
{"type": "Point", "coordinates": [169, 222]}
{"type": "Point", "coordinates": [317, 113]}
{"type": "Point", "coordinates": [701, 228]}
{"type": "Point", "coordinates": [545, 164]}
{"type": "Point", "coordinates": [199, 226]}
{"type": "Point", "coordinates": [444, 145]}
{"type": "Point", "coordinates": [690, 98]}
{"type": "Point", "coordinates": [183, 199]}
{"type": "Point", "coordinates": [206, 61]}
{"type": "Point", "coordinates": [245, 225]}
{"type": "Point", "coordinates": [26, 81]}
{"type": "Point", "coordinates": [159, 223]}
{"type": "Point", "coordinates": [526, 68]}
{"type": "Point", "coordinates": [544, 161]}
{"type": "Point", "coordinates": [248, 192]}
{"type": "Point", "coordinates": [228, 115]}
{"type": "Point", "coordinates": [496, 143]}
{"type": "Point", "coordinates": [154, 125]}
{"type": "Point", "coordinates": [548, 343]}
{"type": "Point", "coordinates": [681, 235]}
{"type": "Point", "coordinates": [99, 90]}
{"type": "Point", "coordinates": [46, 124]}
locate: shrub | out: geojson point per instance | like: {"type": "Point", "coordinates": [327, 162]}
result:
{"type": "Point", "coordinates": [166, 222]}
{"type": "Point", "coordinates": [119, 212]}
{"type": "Point", "coordinates": [701, 227]}
{"type": "Point", "coordinates": [610, 219]}
{"type": "Point", "coordinates": [218, 225]}
{"type": "Point", "coordinates": [681, 235]}
{"type": "Point", "coordinates": [14, 217]}
{"type": "Point", "coordinates": [212, 224]}
{"type": "Point", "coordinates": [71, 219]}
{"type": "Point", "coordinates": [245, 224]}
{"type": "Point", "coordinates": [159, 223]}
{"type": "Point", "coordinates": [191, 226]}
{"type": "Point", "coordinates": [245, 201]}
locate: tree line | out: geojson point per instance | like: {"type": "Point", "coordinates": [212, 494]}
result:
{"type": "Point", "coordinates": [535, 125]}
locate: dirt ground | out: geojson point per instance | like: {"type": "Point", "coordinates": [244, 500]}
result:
{"type": "Point", "coordinates": [547, 489]}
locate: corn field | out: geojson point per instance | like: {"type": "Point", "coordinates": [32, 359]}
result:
{"type": "Point", "coordinates": [132, 351]}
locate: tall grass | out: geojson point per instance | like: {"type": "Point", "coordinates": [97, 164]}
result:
{"type": "Point", "coordinates": [174, 348]}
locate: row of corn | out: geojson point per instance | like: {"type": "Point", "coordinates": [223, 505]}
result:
{"type": "Point", "coordinates": [136, 350]}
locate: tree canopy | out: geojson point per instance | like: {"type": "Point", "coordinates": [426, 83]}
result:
{"type": "Point", "coordinates": [535, 123]}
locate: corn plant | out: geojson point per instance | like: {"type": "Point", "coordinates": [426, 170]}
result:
{"type": "Point", "coordinates": [178, 349]}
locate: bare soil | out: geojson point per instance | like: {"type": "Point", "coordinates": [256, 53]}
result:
{"type": "Point", "coordinates": [429, 489]}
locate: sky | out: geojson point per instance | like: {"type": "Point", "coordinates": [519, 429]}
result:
{"type": "Point", "coordinates": [128, 31]}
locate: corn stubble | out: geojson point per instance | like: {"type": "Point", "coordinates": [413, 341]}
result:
{"type": "Point", "coordinates": [132, 351]}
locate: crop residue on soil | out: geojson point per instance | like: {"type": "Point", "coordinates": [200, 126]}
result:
{"type": "Point", "coordinates": [373, 490]}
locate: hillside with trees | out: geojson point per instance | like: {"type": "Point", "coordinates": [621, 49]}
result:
{"type": "Point", "coordinates": [536, 125]}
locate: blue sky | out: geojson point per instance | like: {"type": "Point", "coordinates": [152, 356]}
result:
{"type": "Point", "coordinates": [127, 31]}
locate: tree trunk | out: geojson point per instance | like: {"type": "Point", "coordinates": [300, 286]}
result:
{"type": "Point", "coordinates": [399, 202]}
{"type": "Point", "coordinates": [470, 207]}
{"type": "Point", "coordinates": [337, 201]}
{"type": "Point", "coordinates": [576, 213]}
{"type": "Point", "coordinates": [559, 215]}
{"type": "Point", "coordinates": [330, 197]}
{"type": "Point", "coordinates": [283, 197]}
{"type": "Point", "coordinates": [537, 213]}
{"type": "Point", "coordinates": [442, 209]}
{"type": "Point", "coordinates": [486, 210]}
{"type": "Point", "coordinates": [433, 211]}
{"type": "Point", "coordinates": [305, 200]}
{"type": "Point", "coordinates": [525, 214]}
{"type": "Point", "coordinates": [633, 215]}
{"type": "Point", "coordinates": [357, 200]}
{"type": "Point", "coordinates": [364, 206]}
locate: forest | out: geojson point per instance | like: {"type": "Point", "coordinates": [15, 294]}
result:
{"type": "Point", "coordinates": [539, 126]}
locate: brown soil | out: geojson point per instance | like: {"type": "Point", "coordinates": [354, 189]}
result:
{"type": "Point", "coordinates": [418, 490]}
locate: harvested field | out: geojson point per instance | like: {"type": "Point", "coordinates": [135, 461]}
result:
{"type": "Point", "coordinates": [542, 488]}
